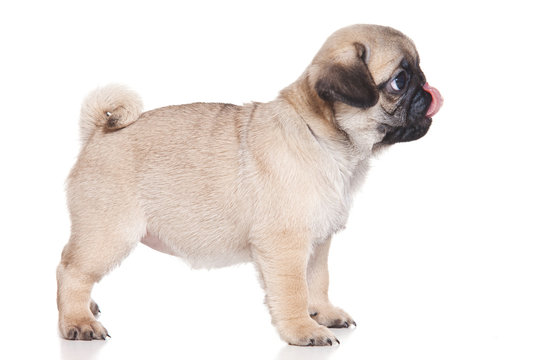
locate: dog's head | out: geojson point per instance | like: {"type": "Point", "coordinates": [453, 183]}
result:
{"type": "Point", "coordinates": [370, 78]}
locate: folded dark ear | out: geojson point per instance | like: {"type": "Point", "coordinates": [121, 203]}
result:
{"type": "Point", "coordinates": [352, 84]}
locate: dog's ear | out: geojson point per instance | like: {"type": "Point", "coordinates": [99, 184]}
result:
{"type": "Point", "coordinates": [351, 84]}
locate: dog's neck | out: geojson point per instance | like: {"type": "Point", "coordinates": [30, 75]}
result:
{"type": "Point", "coordinates": [320, 118]}
{"type": "Point", "coordinates": [315, 112]}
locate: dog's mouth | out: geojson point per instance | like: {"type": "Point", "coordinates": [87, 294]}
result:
{"type": "Point", "coordinates": [426, 103]}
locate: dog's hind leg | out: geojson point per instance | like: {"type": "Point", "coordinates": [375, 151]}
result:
{"type": "Point", "coordinates": [98, 243]}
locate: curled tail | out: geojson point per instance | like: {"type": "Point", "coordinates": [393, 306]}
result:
{"type": "Point", "coordinates": [109, 108]}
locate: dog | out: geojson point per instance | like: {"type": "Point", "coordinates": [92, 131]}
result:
{"type": "Point", "coordinates": [218, 184]}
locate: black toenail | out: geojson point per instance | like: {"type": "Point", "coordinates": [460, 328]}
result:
{"type": "Point", "coordinates": [329, 342]}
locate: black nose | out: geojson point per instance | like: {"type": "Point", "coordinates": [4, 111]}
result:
{"type": "Point", "coordinates": [419, 105]}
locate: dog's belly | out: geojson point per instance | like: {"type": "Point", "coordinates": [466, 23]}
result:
{"type": "Point", "coordinates": [155, 243]}
{"type": "Point", "coordinates": [199, 257]}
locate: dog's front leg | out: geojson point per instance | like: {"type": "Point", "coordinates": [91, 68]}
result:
{"type": "Point", "coordinates": [282, 262]}
{"type": "Point", "coordinates": [320, 308]}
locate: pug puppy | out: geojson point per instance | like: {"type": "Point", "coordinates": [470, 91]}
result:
{"type": "Point", "coordinates": [219, 184]}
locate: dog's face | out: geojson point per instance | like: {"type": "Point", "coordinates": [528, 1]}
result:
{"type": "Point", "coordinates": [371, 78]}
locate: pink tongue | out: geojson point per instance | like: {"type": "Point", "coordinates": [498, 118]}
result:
{"type": "Point", "coordinates": [436, 102]}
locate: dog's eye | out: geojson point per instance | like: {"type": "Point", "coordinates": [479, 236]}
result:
{"type": "Point", "coordinates": [399, 82]}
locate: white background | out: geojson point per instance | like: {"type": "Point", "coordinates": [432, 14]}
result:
{"type": "Point", "coordinates": [440, 259]}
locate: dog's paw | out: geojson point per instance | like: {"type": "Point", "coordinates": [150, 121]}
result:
{"type": "Point", "coordinates": [331, 316]}
{"type": "Point", "coordinates": [83, 329]}
{"type": "Point", "coordinates": [306, 332]}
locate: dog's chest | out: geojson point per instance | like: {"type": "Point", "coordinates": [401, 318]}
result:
{"type": "Point", "coordinates": [329, 218]}
{"type": "Point", "coordinates": [334, 201]}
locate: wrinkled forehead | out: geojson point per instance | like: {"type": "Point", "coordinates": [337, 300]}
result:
{"type": "Point", "coordinates": [385, 49]}
{"type": "Point", "coordinates": [388, 53]}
